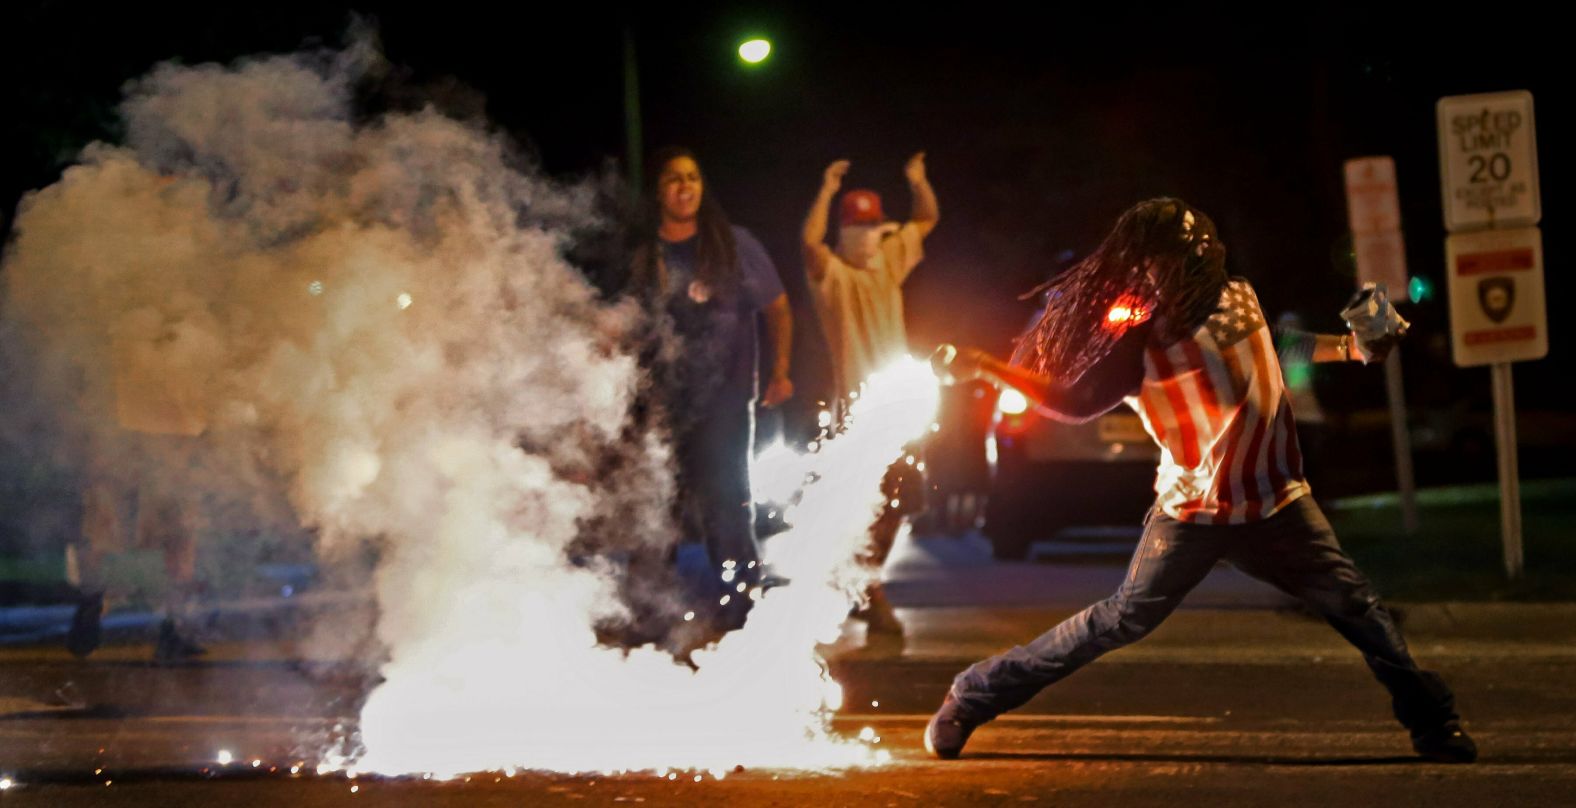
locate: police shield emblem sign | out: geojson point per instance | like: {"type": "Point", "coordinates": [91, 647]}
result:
{"type": "Point", "coordinates": [1497, 312]}
{"type": "Point", "coordinates": [1497, 296]}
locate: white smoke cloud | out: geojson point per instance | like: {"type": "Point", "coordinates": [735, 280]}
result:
{"type": "Point", "coordinates": [379, 315]}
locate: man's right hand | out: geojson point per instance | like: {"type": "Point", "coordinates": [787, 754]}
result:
{"type": "Point", "coordinates": [914, 169]}
{"type": "Point", "coordinates": [832, 180]}
{"type": "Point", "coordinates": [953, 364]}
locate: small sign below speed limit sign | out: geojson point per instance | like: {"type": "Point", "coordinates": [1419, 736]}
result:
{"type": "Point", "coordinates": [1488, 158]}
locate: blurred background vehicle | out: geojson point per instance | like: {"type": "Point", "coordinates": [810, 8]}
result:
{"type": "Point", "coordinates": [1049, 478]}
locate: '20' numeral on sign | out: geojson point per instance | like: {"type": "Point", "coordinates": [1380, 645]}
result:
{"type": "Point", "coordinates": [1497, 167]}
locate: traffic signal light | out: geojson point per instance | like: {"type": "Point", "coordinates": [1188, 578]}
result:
{"type": "Point", "coordinates": [1420, 289]}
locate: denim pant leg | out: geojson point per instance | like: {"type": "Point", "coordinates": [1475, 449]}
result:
{"type": "Point", "coordinates": [1170, 560]}
{"type": "Point", "coordinates": [715, 466]}
{"type": "Point", "coordinates": [1296, 551]}
{"type": "Point", "coordinates": [721, 474]}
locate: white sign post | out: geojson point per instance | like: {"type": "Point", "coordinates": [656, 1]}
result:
{"type": "Point", "coordinates": [1488, 162]}
{"type": "Point", "coordinates": [1373, 209]}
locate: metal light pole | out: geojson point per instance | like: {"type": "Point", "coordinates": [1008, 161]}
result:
{"type": "Point", "coordinates": [632, 135]}
{"type": "Point", "coordinates": [752, 52]}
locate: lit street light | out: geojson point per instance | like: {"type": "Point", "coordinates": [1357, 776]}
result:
{"type": "Point", "coordinates": [755, 51]}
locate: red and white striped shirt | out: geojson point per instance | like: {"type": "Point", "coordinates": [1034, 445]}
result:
{"type": "Point", "coordinates": [1216, 404]}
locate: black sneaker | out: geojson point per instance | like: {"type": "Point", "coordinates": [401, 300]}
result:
{"type": "Point", "coordinates": [173, 647]}
{"type": "Point", "coordinates": [1447, 743]}
{"type": "Point", "coordinates": [84, 635]}
{"type": "Point", "coordinates": [948, 731]}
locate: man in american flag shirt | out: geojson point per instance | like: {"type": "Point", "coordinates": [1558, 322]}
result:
{"type": "Point", "coordinates": [1151, 319]}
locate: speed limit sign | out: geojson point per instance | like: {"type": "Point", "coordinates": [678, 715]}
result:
{"type": "Point", "coordinates": [1488, 158]}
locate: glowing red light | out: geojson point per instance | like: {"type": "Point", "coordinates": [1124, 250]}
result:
{"type": "Point", "coordinates": [1012, 402]}
{"type": "Point", "coordinates": [1124, 315]}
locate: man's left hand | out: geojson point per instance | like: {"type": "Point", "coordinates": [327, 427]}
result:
{"type": "Point", "coordinates": [1371, 351]}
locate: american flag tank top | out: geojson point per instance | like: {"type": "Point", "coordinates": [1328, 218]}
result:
{"type": "Point", "coordinates": [1216, 404]}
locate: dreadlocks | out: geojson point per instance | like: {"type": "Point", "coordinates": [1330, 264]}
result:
{"type": "Point", "coordinates": [1156, 262]}
{"type": "Point", "coordinates": [717, 256]}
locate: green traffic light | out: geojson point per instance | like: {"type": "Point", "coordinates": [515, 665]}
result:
{"type": "Point", "coordinates": [755, 51]}
{"type": "Point", "coordinates": [1420, 289]}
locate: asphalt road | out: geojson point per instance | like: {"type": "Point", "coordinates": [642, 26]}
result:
{"type": "Point", "coordinates": [1237, 703]}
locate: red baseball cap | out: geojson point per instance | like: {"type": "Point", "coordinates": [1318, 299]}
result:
{"type": "Point", "coordinates": [860, 207]}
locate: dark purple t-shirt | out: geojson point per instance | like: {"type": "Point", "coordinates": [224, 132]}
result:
{"type": "Point", "coordinates": [718, 328]}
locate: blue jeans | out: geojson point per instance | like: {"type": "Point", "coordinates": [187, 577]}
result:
{"type": "Point", "coordinates": [713, 458]}
{"type": "Point", "coordinates": [1294, 550]}
{"type": "Point", "coordinates": [716, 508]}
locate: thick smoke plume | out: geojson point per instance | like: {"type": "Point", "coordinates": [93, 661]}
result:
{"type": "Point", "coordinates": [375, 317]}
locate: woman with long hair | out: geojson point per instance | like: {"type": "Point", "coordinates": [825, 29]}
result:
{"type": "Point", "coordinates": [704, 280]}
{"type": "Point", "coordinates": [1152, 318]}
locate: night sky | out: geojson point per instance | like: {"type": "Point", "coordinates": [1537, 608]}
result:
{"type": "Point", "coordinates": [1041, 126]}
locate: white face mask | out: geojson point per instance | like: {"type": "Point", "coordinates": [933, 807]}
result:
{"type": "Point", "coordinates": [859, 245]}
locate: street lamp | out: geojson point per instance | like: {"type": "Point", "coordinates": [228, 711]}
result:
{"type": "Point", "coordinates": [754, 51]}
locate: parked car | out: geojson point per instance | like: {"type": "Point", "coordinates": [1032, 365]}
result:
{"type": "Point", "coordinates": [1048, 476]}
